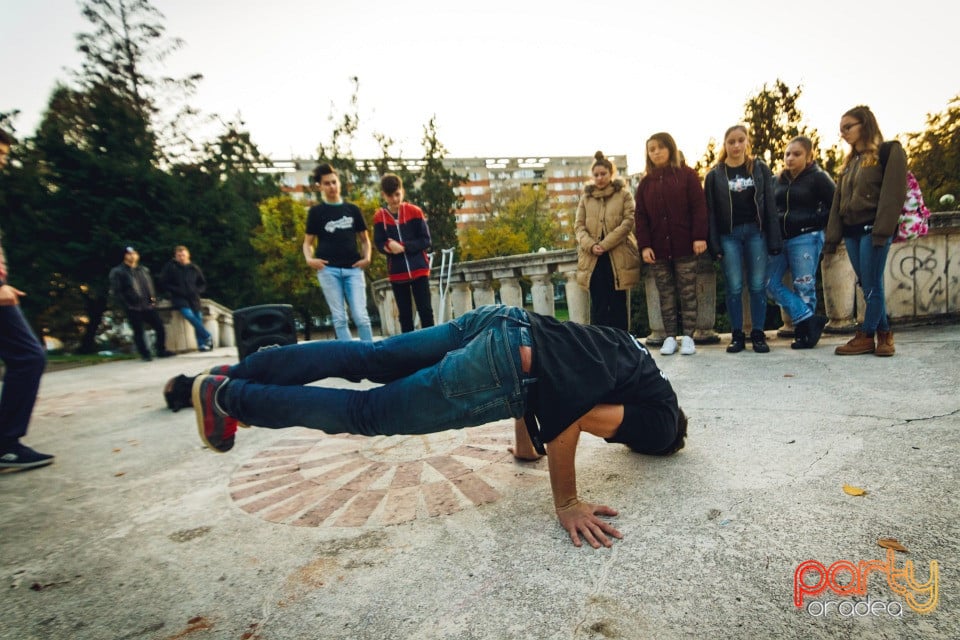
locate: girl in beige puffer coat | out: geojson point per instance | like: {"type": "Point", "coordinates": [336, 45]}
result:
{"type": "Point", "coordinates": [608, 261]}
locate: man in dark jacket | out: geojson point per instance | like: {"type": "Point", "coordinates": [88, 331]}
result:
{"type": "Point", "coordinates": [131, 283]}
{"type": "Point", "coordinates": [184, 281]}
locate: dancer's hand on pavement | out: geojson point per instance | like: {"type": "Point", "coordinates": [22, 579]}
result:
{"type": "Point", "coordinates": [580, 518]}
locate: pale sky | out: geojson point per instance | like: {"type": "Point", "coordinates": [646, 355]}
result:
{"type": "Point", "coordinates": [519, 78]}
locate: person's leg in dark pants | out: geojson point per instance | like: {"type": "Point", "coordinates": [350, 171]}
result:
{"type": "Point", "coordinates": [24, 358]}
{"type": "Point", "coordinates": [421, 297]}
{"type": "Point", "coordinates": [402, 296]}
{"type": "Point", "coordinates": [153, 319]}
{"type": "Point", "coordinates": [135, 318]}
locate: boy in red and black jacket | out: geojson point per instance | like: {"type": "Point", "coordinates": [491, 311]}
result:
{"type": "Point", "coordinates": [400, 232]}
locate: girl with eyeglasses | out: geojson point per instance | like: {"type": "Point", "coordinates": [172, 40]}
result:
{"type": "Point", "coordinates": [864, 214]}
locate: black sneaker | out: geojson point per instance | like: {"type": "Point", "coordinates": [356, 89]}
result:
{"type": "Point", "coordinates": [737, 343]}
{"type": "Point", "coordinates": [817, 323]}
{"type": "Point", "coordinates": [166, 354]}
{"type": "Point", "coordinates": [801, 335]}
{"type": "Point", "coordinates": [20, 456]}
{"type": "Point", "coordinates": [178, 392]}
{"type": "Point", "coordinates": [759, 340]}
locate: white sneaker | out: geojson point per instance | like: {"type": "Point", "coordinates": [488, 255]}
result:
{"type": "Point", "coordinates": [687, 348]}
{"type": "Point", "coordinates": [669, 346]}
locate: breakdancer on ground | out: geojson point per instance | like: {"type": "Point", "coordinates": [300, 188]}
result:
{"type": "Point", "coordinates": [555, 378]}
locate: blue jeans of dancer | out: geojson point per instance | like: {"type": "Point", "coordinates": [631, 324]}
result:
{"type": "Point", "coordinates": [203, 336]}
{"type": "Point", "coordinates": [348, 285]}
{"type": "Point", "coordinates": [463, 373]}
{"type": "Point", "coordinates": [745, 247]}
{"type": "Point", "coordinates": [869, 263]}
{"type": "Point", "coordinates": [25, 360]}
{"type": "Point", "coordinates": [801, 255]}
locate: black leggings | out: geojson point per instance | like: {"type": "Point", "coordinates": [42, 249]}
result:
{"type": "Point", "coordinates": [608, 306]}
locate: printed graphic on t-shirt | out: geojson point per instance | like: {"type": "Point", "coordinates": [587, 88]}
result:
{"type": "Point", "coordinates": [344, 223]}
{"type": "Point", "coordinates": [739, 184]}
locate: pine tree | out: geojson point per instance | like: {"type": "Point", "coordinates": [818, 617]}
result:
{"type": "Point", "coordinates": [438, 191]}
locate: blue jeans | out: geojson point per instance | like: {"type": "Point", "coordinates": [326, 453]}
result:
{"type": "Point", "coordinates": [746, 246]}
{"type": "Point", "coordinates": [341, 284]}
{"type": "Point", "coordinates": [25, 360]}
{"type": "Point", "coordinates": [802, 255]}
{"type": "Point", "coordinates": [463, 373]}
{"type": "Point", "coordinates": [203, 336]}
{"type": "Point", "coordinates": [869, 263]}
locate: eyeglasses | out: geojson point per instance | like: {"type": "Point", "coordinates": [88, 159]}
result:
{"type": "Point", "coordinates": [846, 127]}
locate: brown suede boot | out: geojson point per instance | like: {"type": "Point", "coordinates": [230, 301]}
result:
{"type": "Point", "coordinates": [858, 345]}
{"type": "Point", "coordinates": [885, 344]}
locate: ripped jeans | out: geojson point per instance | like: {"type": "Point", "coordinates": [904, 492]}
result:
{"type": "Point", "coordinates": [801, 255]}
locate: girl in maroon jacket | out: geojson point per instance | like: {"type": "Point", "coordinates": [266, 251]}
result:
{"type": "Point", "coordinates": [400, 232]}
{"type": "Point", "coordinates": [672, 231]}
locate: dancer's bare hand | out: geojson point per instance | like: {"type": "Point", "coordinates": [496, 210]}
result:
{"type": "Point", "coordinates": [580, 518]}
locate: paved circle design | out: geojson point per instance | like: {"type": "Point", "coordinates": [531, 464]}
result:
{"type": "Point", "coordinates": [320, 480]}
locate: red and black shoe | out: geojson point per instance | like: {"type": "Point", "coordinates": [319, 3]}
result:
{"type": "Point", "coordinates": [217, 429]}
{"type": "Point", "coordinates": [223, 370]}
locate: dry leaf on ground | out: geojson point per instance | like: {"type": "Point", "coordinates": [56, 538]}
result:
{"type": "Point", "coordinates": [891, 543]}
{"type": "Point", "coordinates": [853, 491]}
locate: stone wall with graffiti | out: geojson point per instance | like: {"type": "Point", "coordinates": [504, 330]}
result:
{"type": "Point", "coordinates": [923, 275]}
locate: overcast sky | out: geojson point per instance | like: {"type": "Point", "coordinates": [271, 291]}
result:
{"type": "Point", "coordinates": [515, 77]}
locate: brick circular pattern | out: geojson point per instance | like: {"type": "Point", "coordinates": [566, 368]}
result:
{"type": "Point", "coordinates": [317, 480]}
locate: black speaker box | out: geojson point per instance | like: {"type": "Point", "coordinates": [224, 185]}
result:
{"type": "Point", "coordinates": [262, 326]}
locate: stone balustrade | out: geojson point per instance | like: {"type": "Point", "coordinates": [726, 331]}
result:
{"type": "Point", "coordinates": [475, 283]}
{"type": "Point", "coordinates": [922, 279]}
{"type": "Point", "coordinates": [217, 320]}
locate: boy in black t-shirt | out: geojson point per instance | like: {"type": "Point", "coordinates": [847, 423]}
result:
{"type": "Point", "coordinates": [330, 247]}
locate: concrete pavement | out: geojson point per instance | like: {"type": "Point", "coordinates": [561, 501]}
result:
{"type": "Point", "coordinates": [139, 532]}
